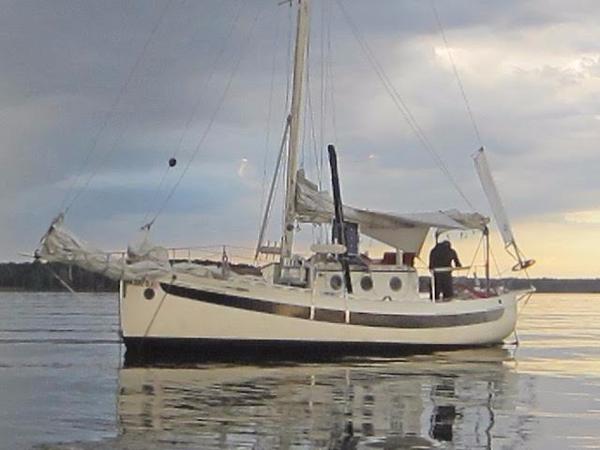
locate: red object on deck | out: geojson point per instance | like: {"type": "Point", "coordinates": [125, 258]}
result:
{"type": "Point", "coordinates": [389, 258]}
{"type": "Point", "coordinates": [408, 259]}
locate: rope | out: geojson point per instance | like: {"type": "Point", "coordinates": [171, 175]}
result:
{"type": "Point", "coordinates": [476, 252]}
{"type": "Point", "coordinates": [329, 76]}
{"type": "Point", "coordinates": [401, 104]}
{"type": "Point", "coordinates": [109, 115]}
{"type": "Point", "coordinates": [311, 115]}
{"type": "Point", "coordinates": [61, 281]}
{"type": "Point", "coordinates": [269, 119]}
{"type": "Point", "coordinates": [156, 311]}
{"type": "Point", "coordinates": [210, 122]}
{"type": "Point", "coordinates": [322, 90]}
{"type": "Point", "coordinates": [195, 110]}
{"type": "Point", "coordinates": [456, 74]}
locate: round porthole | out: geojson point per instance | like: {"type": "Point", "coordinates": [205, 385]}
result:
{"type": "Point", "coordinates": [149, 293]}
{"type": "Point", "coordinates": [366, 283]}
{"type": "Point", "coordinates": [335, 282]}
{"type": "Point", "coordinates": [395, 284]}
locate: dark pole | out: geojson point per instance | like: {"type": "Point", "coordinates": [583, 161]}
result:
{"type": "Point", "coordinates": [339, 215]}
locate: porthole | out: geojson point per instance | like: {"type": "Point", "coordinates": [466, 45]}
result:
{"type": "Point", "coordinates": [335, 282]}
{"type": "Point", "coordinates": [366, 283]}
{"type": "Point", "coordinates": [149, 293]}
{"type": "Point", "coordinates": [395, 284]}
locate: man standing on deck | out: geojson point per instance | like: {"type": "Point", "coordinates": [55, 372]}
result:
{"type": "Point", "coordinates": [441, 258]}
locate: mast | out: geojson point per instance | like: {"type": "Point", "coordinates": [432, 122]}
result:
{"type": "Point", "coordinates": [295, 124]}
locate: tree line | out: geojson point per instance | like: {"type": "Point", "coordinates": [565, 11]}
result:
{"type": "Point", "coordinates": [45, 277]}
{"type": "Point", "coordinates": [542, 285]}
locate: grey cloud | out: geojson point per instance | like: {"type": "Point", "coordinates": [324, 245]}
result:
{"type": "Point", "coordinates": [63, 63]}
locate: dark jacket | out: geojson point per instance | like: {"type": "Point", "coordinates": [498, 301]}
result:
{"type": "Point", "coordinates": [443, 255]}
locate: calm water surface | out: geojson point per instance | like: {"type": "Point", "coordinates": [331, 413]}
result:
{"type": "Point", "coordinates": [62, 385]}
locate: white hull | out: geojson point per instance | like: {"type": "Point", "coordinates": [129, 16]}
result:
{"type": "Point", "coordinates": [242, 311]}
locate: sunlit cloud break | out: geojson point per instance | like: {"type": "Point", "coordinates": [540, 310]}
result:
{"type": "Point", "coordinates": [590, 216]}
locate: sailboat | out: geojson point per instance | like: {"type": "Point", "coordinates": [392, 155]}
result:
{"type": "Point", "coordinates": [335, 298]}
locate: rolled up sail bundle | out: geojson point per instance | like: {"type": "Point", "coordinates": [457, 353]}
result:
{"type": "Point", "coordinates": [59, 244]}
{"type": "Point", "coordinates": [493, 196]}
{"type": "Point", "coordinates": [142, 261]}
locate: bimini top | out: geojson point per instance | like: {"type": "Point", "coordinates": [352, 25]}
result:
{"type": "Point", "coordinates": [406, 232]}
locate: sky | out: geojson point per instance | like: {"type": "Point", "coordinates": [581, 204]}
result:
{"type": "Point", "coordinates": [97, 96]}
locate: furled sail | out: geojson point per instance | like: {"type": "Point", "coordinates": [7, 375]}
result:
{"type": "Point", "coordinates": [406, 232]}
{"type": "Point", "coordinates": [491, 192]}
{"type": "Point", "coordinates": [143, 261]}
{"type": "Point", "coordinates": [60, 245]}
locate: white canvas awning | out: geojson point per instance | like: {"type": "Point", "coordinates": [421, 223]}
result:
{"type": "Point", "coordinates": [406, 232]}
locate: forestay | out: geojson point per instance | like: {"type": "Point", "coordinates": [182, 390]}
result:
{"type": "Point", "coordinates": [406, 232]}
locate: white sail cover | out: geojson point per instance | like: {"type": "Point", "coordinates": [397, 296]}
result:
{"type": "Point", "coordinates": [142, 261]}
{"type": "Point", "coordinates": [491, 192]}
{"type": "Point", "coordinates": [406, 232]}
{"type": "Point", "coordinates": [60, 245]}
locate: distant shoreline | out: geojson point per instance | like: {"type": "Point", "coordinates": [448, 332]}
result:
{"type": "Point", "coordinates": [36, 277]}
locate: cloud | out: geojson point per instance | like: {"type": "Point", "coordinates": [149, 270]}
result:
{"type": "Point", "coordinates": [584, 217]}
{"type": "Point", "coordinates": [531, 71]}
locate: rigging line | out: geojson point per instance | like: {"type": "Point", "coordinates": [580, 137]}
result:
{"type": "Point", "coordinates": [304, 127]}
{"type": "Point", "coordinates": [456, 74]}
{"type": "Point", "coordinates": [269, 118]}
{"type": "Point", "coordinates": [313, 134]}
{"type": "Point", "coordinates": [401, 104]}
{"type": "Point", "coordinates": [310, 111]}
{"type": "Point", "coordinates": [496, 266]}
{"type": "Point", "coordinates": [196, 106]}
{"type": "Point", "coordinates": [111, 112]}
{"type": "Point", "coordinates": [213, 118]}
{"type": "Point", "coordinates": [270, 199]}
{"type": "Point", "coordinates": [476, 251]}
{"type": "Point", "coordinates": [306, 106]}
{"type": "Point", "coordinates": [204, 87]}
{"type": "Point", "coordinates": [288, 81]}
{"type": "Point", "coordinates": [330, 77]}
{"type": "Point", "coordinates": [322, 88]}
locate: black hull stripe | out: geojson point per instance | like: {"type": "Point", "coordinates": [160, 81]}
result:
{"type": "Point", "coordinates": [334, 316]}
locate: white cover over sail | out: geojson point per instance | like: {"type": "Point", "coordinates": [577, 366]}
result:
{"type": "Point", "coordinates": [403, 231]}
{"type": "Point", "coordinates": [61, 245]}
{"type": "Point", "coordinates": [491, 192]}
{"type": "Point", "coordinates": [142, 261]}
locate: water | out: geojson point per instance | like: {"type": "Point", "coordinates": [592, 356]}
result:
{"type": "Point", "coordinates": [62, 386]}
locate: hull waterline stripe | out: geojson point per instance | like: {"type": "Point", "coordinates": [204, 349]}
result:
{"type": "Point", "coordinates": [335, 316]}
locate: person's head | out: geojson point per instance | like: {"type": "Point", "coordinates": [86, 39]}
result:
{"type": "Point", "coordinates": [446, 243]}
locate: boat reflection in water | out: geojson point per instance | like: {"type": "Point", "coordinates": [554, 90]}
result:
{"type": "Point", "coordinates": [460, 399]}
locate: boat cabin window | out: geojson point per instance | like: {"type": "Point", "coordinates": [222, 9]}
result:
{"type": "Point", "coordinates": [335, 282]}
{"type": "Point", "coordinates": [366, 283]}
{"type": "Point", "coordinates": [395, 284]}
